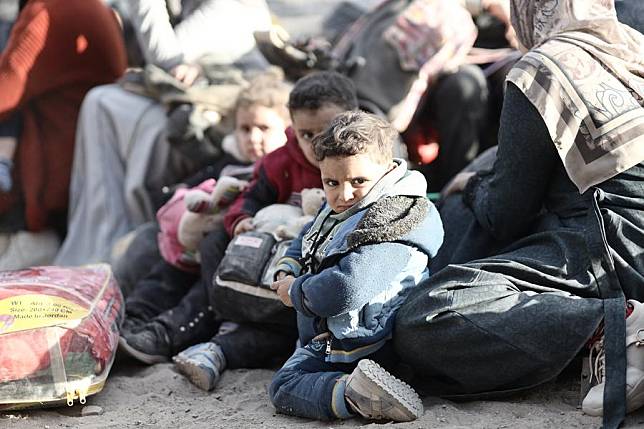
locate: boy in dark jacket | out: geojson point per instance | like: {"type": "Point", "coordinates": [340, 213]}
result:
{"type": "Point", "coordinates": [278, 178]}
{"type": "Point", "coordinates": [349, 272]}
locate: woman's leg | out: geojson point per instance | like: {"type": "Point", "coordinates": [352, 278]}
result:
{"type": "Point", "coordinates": [469, 331]}
{"type": "Point", "coordinates": [456, 107]}
{"type": "Point", "coordinates": [115, 152]}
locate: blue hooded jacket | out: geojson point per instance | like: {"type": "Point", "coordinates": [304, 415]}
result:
{"type": "Point", "coordinates": [354, 269]}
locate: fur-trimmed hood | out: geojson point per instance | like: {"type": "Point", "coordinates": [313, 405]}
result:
{"type": "Point", "coordinates": [395, 210]}
{"type": "Point", "coordinates": [389, 219]}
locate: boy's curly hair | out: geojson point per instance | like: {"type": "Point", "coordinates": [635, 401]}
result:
{"type": "Point", "coordinates": [267, 89]}
{"type": "Point", "coordinates": [353, 133]}
{"type": "Point", "coordinates": [321, 88]}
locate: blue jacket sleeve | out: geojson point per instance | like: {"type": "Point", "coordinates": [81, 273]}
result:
{"type": "Point", "coordinates": [353, 282]}
{"type": "Point", "coordinates": [290, 262]}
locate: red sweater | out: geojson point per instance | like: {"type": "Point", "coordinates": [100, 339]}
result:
{"type": "Point", "coordinates": [57, 51]}
{"type": "Point", "coordinates": [279, 177]}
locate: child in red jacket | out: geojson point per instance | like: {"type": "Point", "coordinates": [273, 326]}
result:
{"type": "Point", "coordinates": [278, 178]}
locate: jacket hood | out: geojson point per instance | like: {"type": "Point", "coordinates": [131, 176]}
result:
{"type": "Point", "coordinates": [396, 209]}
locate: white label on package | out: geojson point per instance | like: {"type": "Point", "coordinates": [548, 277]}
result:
{"type": "Point", "coordinates": [244, 240]}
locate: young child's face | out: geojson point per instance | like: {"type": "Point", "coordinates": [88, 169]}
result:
{"type": "Point", "coordinates": [259, 130]}
{"type": "Point", "coordinates": [308, 123]}
{"type": "Point", "coordinates": [346, 180]}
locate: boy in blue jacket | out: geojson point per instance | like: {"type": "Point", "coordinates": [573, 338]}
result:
{"type": "Point", "coordinates": [349, 272]}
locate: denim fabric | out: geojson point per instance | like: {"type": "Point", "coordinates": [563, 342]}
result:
{"type": "Point", "coordinates": [9, 127]}
{"type": "Point", "coordinates": [309, 386]}
{"type": "Point", "coordinates": [305, 385]}
{"type": "Point", "coordinates": [631, 12]}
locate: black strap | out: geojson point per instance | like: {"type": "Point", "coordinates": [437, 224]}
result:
{"type": "Point", "coordinates": [614, 316]}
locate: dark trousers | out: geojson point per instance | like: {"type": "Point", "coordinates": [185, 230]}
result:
{"type": "Point", "coordinates": [485, 325]}
{"type": "Point", "coordinates": [257, 346]}
{"type": "Point", "coordinates": [180, 300]}
{"type": "Point", "coordinates": [251, 345]}
{"type": "Point", "coordinates": [160, 290]}
{"type": "Point", "coordinates": [138, 260]}
{"type": "Point", "coordinates": [456, 108]}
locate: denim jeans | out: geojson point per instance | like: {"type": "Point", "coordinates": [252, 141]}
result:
{"type": "Point", "coordinates": [308, 386]}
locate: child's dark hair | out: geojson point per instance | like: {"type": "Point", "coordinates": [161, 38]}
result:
{"type": "Point", "coordinates": [321, 88]}
{"type": "Point", "coordinates": [353, 133]}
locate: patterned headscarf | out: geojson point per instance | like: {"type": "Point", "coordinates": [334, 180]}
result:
{"type": "Point", "coordinates": [585, 75]}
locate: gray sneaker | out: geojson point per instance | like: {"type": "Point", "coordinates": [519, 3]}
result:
{"type": "Point", "coordinates": [202, 364]}
{"type": "Point", "coordinates": [375, 394]}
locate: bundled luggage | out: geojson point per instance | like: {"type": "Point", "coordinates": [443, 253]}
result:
{"type": "Point", "coordinates": [59, 330]}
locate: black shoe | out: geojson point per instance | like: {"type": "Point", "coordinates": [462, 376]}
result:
{"type": "Point", "coordinates": [150, 344]}
{"type": "Point", "coordinates": [132, 324]}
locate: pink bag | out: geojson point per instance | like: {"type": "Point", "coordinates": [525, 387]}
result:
{"type": "Point", "coordinates": [169, 217]}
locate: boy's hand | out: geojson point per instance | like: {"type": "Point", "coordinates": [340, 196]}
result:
{"type": "Point", "coordinates": [244, 225]}
{"type": "Point", "coordinates": [282, 287]}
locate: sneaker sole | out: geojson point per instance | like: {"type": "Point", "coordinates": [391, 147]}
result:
{"type": "Point", "coordinates": [194, 373]}
{"type": "Point", "coordinates": [396, 389]}
{"type": "Point", "coordinates": [140, 356]}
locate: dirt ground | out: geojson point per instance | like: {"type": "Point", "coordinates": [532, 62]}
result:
{"type": "Point", "coordinates": [138, 396]}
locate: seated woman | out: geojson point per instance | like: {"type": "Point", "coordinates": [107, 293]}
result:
{"type": "Point", "coordinates": [547, 246]}
{"type": "Point", "coordinates": [57, 50]}
{"type": "Point", "coordinates": [121, 150]}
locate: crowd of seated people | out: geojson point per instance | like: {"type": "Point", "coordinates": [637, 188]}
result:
{"type": "Point", "coordinates": [481, 164]}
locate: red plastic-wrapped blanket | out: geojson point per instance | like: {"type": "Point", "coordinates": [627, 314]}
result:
{"type": "Point", "coordinates": [59, 330]}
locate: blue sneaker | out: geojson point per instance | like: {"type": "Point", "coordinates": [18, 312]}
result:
{"type": "Point", "coordinates": [202, 364]}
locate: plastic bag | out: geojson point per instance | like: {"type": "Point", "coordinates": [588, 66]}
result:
{"type": "Point", "coordinates": [59, 330]}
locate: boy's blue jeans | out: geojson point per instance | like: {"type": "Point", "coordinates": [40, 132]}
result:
{"type": "Point", "coordinates": [308, 386]}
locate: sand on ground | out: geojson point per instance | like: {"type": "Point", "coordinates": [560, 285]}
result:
{"type": "Point", "coordinates": [137, 396]}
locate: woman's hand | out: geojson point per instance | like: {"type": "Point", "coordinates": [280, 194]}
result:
{"type": "Point", "coordinates": [282, 287]}
{"type": "Point", "coordinates": [457, 184]}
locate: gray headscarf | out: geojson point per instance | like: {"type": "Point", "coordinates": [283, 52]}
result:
{"type": "Point", "coordinates": [585, 75]}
